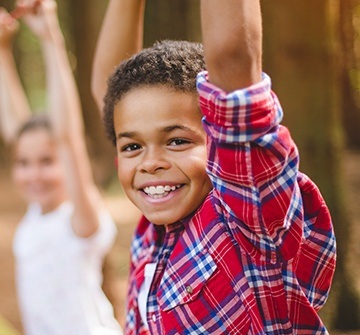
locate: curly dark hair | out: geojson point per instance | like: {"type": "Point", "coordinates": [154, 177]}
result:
{"type": "Point", "coordinates": [174, 64]}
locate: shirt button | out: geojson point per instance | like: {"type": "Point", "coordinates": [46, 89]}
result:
{"type": "Point", "coordinates": [189, 289]}
{"type": "Point", "coordinates": [154, 318]}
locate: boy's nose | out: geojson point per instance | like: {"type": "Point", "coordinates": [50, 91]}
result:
{"type": "Point", "coordinates": [153, 161]}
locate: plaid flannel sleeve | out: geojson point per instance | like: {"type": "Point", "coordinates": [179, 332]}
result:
{"type": "Point", "coordinates": [253, 164]}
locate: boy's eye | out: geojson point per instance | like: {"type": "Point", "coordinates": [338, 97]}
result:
{"type": "Point", "coordinates": [130, 147]}
{"type": "Point", "coordinates": [178, 142]}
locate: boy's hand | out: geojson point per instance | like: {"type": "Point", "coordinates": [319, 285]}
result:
{"type": "Point", "coordinates": [8, 28]}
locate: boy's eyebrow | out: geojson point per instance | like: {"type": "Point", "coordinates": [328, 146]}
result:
{"type": "Point", "coordinates": [128, 134]}
{"type": "Point", "coordinates": [167, 129]}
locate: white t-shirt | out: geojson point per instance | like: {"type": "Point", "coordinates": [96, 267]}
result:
{"type": "Point", "coordinates": [149, 273]}
{"type": "Point", "coordinates": [59, 275]}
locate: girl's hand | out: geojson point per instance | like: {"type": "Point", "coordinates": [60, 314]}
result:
{"type": "Point", "coordinates": [39, 15]}
{"type": "Point", "coordinates": [8, 28]}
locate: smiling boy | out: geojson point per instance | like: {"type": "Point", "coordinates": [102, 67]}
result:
{"type": "Point", "coordinates": [162, 155]}
{"type": "Point", "coordinates": [234, 239]}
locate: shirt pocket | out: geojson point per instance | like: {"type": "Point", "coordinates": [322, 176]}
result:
{"type": "Point", "coordinates": [197, 292]}
{"type": "Point", "coordinates": [184, 278]}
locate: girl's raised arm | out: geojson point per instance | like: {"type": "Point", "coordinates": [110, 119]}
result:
{"type": "Point", "coordinates": [66, 116]}
{"type": "Point", "coordinates": [14, 106]}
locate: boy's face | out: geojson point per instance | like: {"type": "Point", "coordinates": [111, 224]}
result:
{"type": "Point", "coordinates": [161, 148]}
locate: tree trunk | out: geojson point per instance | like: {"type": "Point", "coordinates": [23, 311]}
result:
{"type": "Point", "coordinates": [350, 74]}
{"type": "Point", "coordinates": [302, 55]}
{"type": "Point", "coordinates": [175, 19]}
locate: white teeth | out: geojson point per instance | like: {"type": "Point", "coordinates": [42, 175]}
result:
{"type": "Point", "coordinates": [160, 190]}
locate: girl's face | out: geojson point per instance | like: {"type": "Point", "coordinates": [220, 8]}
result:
{"type": "Point", "coordinates": [161, 148]}
{"type": "Point", "coordinates": [37, 171]}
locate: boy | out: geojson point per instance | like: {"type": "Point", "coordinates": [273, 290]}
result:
{"type": "Point", "coordinates": [252, 252]}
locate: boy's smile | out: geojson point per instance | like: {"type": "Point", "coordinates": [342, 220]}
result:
{"type": "Point", "coordinates": [160, 191]}
{"type": "Point", "coordinates": [161, 148]}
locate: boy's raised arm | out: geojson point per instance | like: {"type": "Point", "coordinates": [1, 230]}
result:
{"type": "Point", "coordinates": [121, 36]}
{"type": "Point", "coordinates": [232, 38]}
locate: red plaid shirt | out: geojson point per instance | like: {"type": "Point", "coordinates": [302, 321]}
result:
{"type": "Point", "coordinates": [258, 256]}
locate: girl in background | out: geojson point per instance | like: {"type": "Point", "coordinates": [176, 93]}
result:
{"type": "Point", "coordinates": [62, 239]}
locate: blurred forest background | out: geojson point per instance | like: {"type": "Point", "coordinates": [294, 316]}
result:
{"type": "Point", "coordinates": [312, 53]}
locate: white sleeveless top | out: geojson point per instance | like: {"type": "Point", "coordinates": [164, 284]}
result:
{"type": "Point", "coordinates": [59, 275]}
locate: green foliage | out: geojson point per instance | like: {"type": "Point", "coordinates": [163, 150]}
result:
{"type": "Point", "coordinates": [31, 68]}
